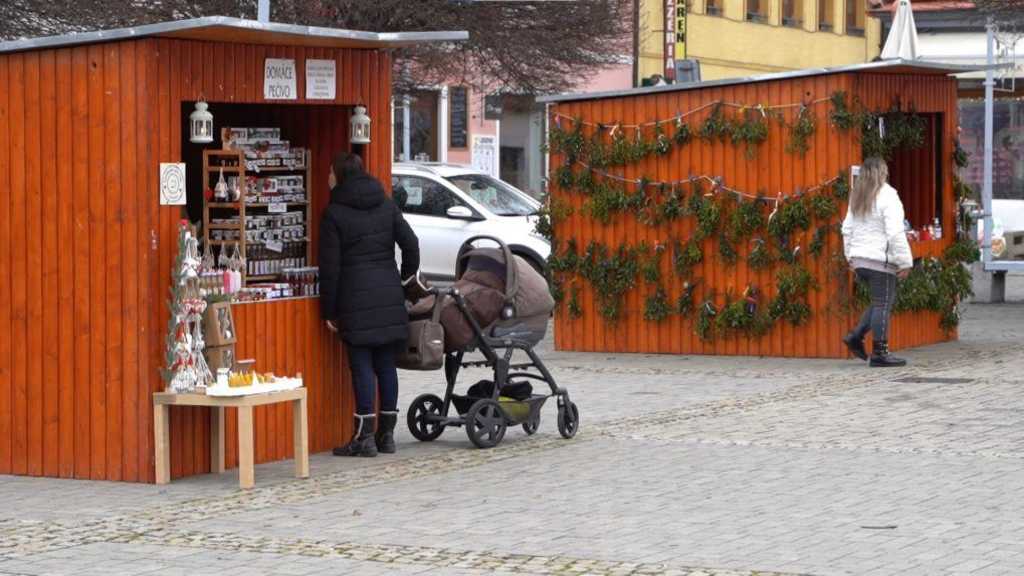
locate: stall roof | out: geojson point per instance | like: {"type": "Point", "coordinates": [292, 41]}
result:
{"type": "Point", "coordinates": [238, 30]}
{"type": "Point", "coordinates": [897, 66]}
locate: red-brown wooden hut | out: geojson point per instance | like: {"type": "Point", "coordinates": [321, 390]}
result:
{"type": "Point", "coordinates": [86, 249]}
{"type": "Point", "coordinates": [742, 165]}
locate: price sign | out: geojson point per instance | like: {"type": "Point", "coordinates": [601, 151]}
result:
{"type": "Point", "coordinates": [321, 79]}
{"type": "Point", "coordinates": [275, 246]}
{"type": "Point", "coordinates": [277, 208]}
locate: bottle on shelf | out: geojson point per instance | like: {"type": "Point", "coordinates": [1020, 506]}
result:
{"type": "Point", "coordinates": [937, 229]}
{"type": "Point", "coordinates": [220, 191]}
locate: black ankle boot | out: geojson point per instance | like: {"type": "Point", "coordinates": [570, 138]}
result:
{"type": "Point", "coordinates": [386, 432]}
{"type": "Point", "coordinates": [856, 345]}
{"type": "Point", "coordinates": [881, 358]}
{"type": "Point", "coordinates": [362, 443]}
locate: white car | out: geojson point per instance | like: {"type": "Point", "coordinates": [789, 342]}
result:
{"type": "Point", "coordinates": [447, 204]}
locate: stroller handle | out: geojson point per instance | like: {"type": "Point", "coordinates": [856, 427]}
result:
{"type": "Point", "coordinates": [511, 273]}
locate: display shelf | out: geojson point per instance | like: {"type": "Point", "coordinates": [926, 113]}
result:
{"type": "Point", "coordinates": [235, 162]}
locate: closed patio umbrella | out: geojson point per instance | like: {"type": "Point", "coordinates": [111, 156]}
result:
{"type": "Point", "coordinates": [902, 40]}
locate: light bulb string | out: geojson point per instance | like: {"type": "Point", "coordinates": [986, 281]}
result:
{"type": "Point", "coordinates": [716, 182]}
{"type": "Point", "coordinates": [682, 115]}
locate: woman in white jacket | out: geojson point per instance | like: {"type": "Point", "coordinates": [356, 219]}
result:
{"type": "Point", "coordinates": [875, 244]}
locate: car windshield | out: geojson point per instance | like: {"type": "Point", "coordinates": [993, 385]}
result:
{"type": "Point", "coordinates": [495, 195]}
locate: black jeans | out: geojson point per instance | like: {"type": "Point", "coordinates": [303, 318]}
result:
{"type": "Point", "coordinates": [372, 367]}
{"type": "Point", "coordinates": [883, 293]}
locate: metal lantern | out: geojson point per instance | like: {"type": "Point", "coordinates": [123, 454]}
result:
{"type": "Point", "coordinates": [360, 126]}
{"type": "Point", "coordinates": [202, 124]}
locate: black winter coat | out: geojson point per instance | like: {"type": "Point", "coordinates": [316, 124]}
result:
{"type": "Point", "coordinates": [360, 286]}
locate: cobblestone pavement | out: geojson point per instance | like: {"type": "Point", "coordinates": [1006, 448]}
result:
{"type": "Point", "coordinates": [683, 465]}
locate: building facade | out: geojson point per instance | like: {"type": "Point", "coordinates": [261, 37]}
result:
{"type": "Point", "coordinates": [735, 38]}
{"type": "Point", "coordinates": [501, 135]}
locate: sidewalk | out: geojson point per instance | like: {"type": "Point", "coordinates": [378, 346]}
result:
{"type": "Point", "coordinates": [683, 465]}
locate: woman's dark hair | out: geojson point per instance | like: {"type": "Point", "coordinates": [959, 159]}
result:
{"type": "Point", "coordinates": [346, 165]}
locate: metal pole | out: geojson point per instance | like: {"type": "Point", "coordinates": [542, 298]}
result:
{"type": "Point", "coordinates": [406, 129]}
{"type": "Point", "coordinates": [263, 11]}
{"type": "Point", "coordinates": [986, 188]}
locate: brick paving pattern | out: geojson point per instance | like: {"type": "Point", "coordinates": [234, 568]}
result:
{"type": "Point", "coordinates": [683, 465]}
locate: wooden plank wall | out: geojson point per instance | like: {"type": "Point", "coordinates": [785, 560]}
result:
{"type": "Point", "coordinates": [773, 170]}
{"type": "Point", "coordinates": [86, 250]}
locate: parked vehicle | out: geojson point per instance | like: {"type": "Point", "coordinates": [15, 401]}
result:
{"type": "Point", "coordinates": [448, 204]}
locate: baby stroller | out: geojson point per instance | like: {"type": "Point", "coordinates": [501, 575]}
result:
{"type": "Point", "coordinates": [488, 408]}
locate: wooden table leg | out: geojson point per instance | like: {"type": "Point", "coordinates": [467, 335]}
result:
{"type": "Point", "coordinates": [217, 438]}
{"type": "Point", "coordinates": [246, 474]}
{"type": "Point", "coordinates": [162, 442]}
{"type": "Point", "coordinates": [301, 433]}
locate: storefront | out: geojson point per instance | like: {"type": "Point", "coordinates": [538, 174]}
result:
{"type": "Point", "coordinates": [704, 218]}
{"type": "Point", "coordinates": [99, 167]}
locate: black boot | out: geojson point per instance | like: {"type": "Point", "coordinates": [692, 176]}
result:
{"type": "Point", "coordinates": [386, 432]}
{"type": "Point", "coordinates": [881, 358]}
{"type": "Point", "coordinates": [856, 345]}
{"type": "Point", "coordinates": [362, 443]}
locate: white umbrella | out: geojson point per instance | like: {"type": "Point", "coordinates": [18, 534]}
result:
{"type": "Point", "coordinates": [902, 40]}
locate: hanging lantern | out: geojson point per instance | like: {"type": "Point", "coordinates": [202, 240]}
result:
{"type": "Point", "coordinates": [360, 126]}
{"type": "Point", "coordinates": [202, 124]}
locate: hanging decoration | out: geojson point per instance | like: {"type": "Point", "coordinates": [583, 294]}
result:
{"type": "Point", "coordinates": [186, 367]}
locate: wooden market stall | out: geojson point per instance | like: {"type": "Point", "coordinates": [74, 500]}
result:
{"type": "Point", "coordinates": [86, 247]}
{"type": "Point", "coordinates": [677, 212]}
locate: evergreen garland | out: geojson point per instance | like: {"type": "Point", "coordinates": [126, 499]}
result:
{"type": "Point", "coordinates": [792, 287]}
{"type": "Point", "coordinates": [760, 256]}
{"type": "Point", "coordinates": [705, 323]}
{"type": "Point", "coordinates": [685, 257]}
{"type": "Point", "coordinates": [684, 304]}
{"type": "Point", "coordinates": [936, 284]}
{"type": "Point", "coordinates": [656, 307]}
{"type": "Point", "coordinates": [801, 131]}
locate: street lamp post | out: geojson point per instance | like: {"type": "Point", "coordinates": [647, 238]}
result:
{"type": "Point", "coordinates": [986, 187]}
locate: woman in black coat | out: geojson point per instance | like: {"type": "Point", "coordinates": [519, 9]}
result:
{"type": "Point", "coordinates": [362, 296]}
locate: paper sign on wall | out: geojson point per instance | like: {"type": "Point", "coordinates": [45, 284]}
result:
{"type": "Point", "coordinates": [321, 79]}
{"type": "Point", "coordinates": [279, 79]}
{"type": "Point", "coordinates": [484, 155]}
{"type": "Point", "coordinates": [172, 184]}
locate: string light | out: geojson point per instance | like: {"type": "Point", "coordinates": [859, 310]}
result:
{"type": "Point", "coordinates": [681, 115]}
{"type": "Point", "coordinates": [716, 186]}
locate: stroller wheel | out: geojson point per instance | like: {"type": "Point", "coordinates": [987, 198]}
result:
{"type": "Point", "coordinates": [568, 420]}
{"type": "Point", "coordinates": [486, 423]}
{"type": "Point", "coordinates": [424, 417]}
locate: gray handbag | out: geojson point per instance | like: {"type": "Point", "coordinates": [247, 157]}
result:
{"type": "Point", "coordinates": [425, 348]}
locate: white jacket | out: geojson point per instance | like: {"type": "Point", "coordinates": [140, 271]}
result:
{"type": "Point", "coordinates": [879, 236]}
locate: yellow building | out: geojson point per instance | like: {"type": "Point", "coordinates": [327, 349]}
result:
{"type": "Point", "coordinates": [733, 38]}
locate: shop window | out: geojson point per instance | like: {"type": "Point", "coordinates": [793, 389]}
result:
{"type": "Point", "coordinates": [423, 196]}
{"type": "Point", "coordinates": [757, 10]}
{"type": "Point", "coordinates": [826, 15]}
{"type": "Point", "coordinates": [855, 17]}
{"type": "Point", "coordinates": [793, 13]}
{"type": "Point", "coordinates": [713, 7]}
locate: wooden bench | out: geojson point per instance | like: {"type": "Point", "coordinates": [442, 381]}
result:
{"type": "Point", "coordinates": [162, 402]}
